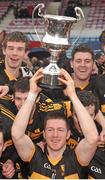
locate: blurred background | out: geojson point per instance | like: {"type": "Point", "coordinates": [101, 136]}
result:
{"type": "Point", "coordinates": [17, 15]}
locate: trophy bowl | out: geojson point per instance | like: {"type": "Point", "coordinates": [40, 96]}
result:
{"type": "Point", "coordinates": [57, 40]}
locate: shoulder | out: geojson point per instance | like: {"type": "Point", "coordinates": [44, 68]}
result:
{"type": "Point", "coordinates": [6, 102]}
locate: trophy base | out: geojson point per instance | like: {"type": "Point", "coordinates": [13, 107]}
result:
{"type": "Point", "coordinates": [47, 86]}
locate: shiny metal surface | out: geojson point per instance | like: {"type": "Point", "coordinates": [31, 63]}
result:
{"type": "Point", "coordinates": [56, 40]}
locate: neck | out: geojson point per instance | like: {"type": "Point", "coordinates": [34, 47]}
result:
{"type": "Point", "coordinates": [79, 82]}
{"type": "Point", "coordinates": [55, 154]}
{"type": "Point", "coordinates": [14, 72]}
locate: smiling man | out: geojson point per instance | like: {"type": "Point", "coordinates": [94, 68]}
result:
{"type": "Point", "coordinates": [57, 157]}
{"type": "Point", "coordinates": [15, 46]}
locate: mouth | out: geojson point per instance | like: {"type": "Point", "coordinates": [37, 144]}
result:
{"type": "Point", "coordinates": [55, 141]}
{"type": "Point", "coordinates": [14, 60]}
{"type": "Point", "coordinates": [82, 71]}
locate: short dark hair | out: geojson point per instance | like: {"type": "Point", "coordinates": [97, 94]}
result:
{"type": "Point", "coordinates": [56, 115]}
{"type": "Point", "coordinates": [82, 48]}
{"type": "Point", "coordinates": [16, 36]}
{"type": "Point", "coordinates": [21, 85]}
{"type": "Point", "coordinates": [88, 98]}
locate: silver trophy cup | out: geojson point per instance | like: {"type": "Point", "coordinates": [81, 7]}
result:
{"type": "Point", "coordinates": [57, 40]}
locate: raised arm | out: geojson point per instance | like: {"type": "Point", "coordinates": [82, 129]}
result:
{"type": "Point", "coordinates": [87, 147]}
{"type": "Point", "coordinates": [21, 141]}
{"type": "Point", "coordinates": [100, 118]}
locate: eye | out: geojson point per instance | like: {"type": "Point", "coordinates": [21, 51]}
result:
{"type": "Point", "coordinates": [49, 130]}
{"type": "Point", "coordinates": [61, 130]}
{"type": "Point", "coordinates": [10, 48]}
{"type": "Point", "coordinates": [78, 61]}
{"type": "Point", "coordinates": [21, 49]}
{"type": "Point", "coordinates": [88, 60]}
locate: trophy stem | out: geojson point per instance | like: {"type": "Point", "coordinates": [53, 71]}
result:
{"type": "Point", "coordinates": [51, 73]}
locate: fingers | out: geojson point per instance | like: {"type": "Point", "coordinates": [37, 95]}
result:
{"type": "Point", "coordinates": [38, 75]}
{"type": "Point", "coordinates": [65, 77]}
{"type": "Point", "coordinates": [102, 137]}
{"type": "Point", "coordinates": [38, 72]}
{"type": "Point", "coordinates": [3, 90]}
{"type": "Point", "coordinates": [65, 74]}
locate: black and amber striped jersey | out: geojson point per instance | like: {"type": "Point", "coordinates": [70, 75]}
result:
{"type": "Point", "coordinates": [100, 91]}
{"type": "Point", "coordinates": [8, 102]}
{"type": "Point", "coordinates": [8, 112]}
{"type": "Point", "coordinates": [96, 168]}
{"type": "Point", "coordinates": [5, 78]}
{"type": "Point", "coordinates": [7, 116]}
{"type": "Point", "coordinates": [53, 101]}
{"type": "Point", "coordinates": [43, 167]}
{"type": "Point", "coordinates": [97, 164]}
{"type": "Point", "coordinates": [97, 86]}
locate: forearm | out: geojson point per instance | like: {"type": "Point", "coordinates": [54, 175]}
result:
{"type": "Point", "coordinates": [22, 117]}
{"type": "Point", "coordinates": [100, 119]}
{"type": "Point", "coordinates": [86, 122]}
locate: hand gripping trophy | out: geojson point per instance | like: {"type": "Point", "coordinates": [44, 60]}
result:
{"type": "Point", "coordinates": [56, 40]}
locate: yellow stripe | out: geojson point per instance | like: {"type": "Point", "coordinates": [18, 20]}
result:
{"type": "Point", "coordinates": [6, 112]}
{"type": "Point", "coordinates": [68, 108]}
{"type": "Point", "coordinates": [103, 108]}
{"type": "Point", "coordinates": [73, 176]}
{"type": "Point", "coordinates": [8, 143]}
{"type": "Point", "coordinates": [84, 86]}
{"type": "Point", "coordinates": [90, 177]}
{"type": "Point", "coordinates": [72, 143]}
{"type": "Point", "coordinates": [7, 98]}
{"type": "Point", "coordinates": [9, 76]}
{"type": "Point", "coordinates": [54, 161]}
{"type": "Point", "coordinates": [38, 176]}
{"type": "Point", "coordinates": [8, 116]}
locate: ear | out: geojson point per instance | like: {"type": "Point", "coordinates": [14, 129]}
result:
{"type": "Point", "coordinates": [68, 134]}
{"type": "Point", "coordinates": [13, 98]}
{"type": "Point", "coordinates": [44, 134]}
{"type": "Point", "coordinates": [26, 54]}
{"type": "Point", "coordinates": [3, 51]}
{"type": "Point", "coordinates": [4, 147]}
{"type": "Point", "coordinates": [71, 63]}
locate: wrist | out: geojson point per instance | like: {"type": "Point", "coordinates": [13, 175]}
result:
{"type": "Point", "coordinates": [31, 96]}
{"type": "Point", "coordinates": [73, 96]}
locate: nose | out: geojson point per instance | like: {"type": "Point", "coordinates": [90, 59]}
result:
{"type": "Point", "coordinates": [22, 101]}
{"type": "Point", "coordinates": [82, 63]}
{"type": "Point", "coordinates": [55, 133]}
{"type": "Point", "coordinates": [15, 51]}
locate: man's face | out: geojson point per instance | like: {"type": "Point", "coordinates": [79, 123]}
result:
{"type": "Point", "coordinates": [101, 60]}
{"type": "Point", "coordinates": [56, 134]}
{"type": "Point", "coordinates": [82, 65]}
{"type": "Point", "coordinates": [91, 111]}
{"type": "Point", "coordinates": [19, 99]}
{"type": "Point", "coordinates": [1, 143]}
{"type": "Point", "coordinates": [14, 54]}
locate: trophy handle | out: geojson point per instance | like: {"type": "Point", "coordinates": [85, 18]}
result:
{"type": "Point", "coordinates": [80, 15]}
{"type": "Point", "coordinates": [39, 7]}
